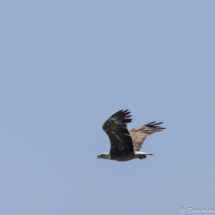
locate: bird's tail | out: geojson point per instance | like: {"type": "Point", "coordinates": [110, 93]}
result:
{"type": "Point", "coordinates": [141, 155]}
{"type": "Point", "coordinates": [149, 154]}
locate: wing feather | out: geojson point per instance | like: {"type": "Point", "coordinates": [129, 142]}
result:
{"type": "Point", "coordinates": [116, 129]}
{"type": "Point", "coordinates": [139, 134]}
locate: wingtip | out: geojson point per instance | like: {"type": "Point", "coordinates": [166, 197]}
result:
{"type": "Point", "coordinates": [155, 125]}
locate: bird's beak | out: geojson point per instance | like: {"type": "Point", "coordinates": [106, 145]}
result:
{"type": "Point", "coordinates": [99, 156]}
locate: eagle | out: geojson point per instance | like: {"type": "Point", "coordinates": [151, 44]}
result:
{"type": "Point", "coordinates": [125, 145]}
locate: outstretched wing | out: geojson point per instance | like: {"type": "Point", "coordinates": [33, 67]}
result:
{"type": "Point", "coordinates": [116, 129]}
{"type": "Point", "coordinates": [139, 134]}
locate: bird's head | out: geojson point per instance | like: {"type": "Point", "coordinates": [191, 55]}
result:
{"type": "Point", "coordinates": [104, 156]}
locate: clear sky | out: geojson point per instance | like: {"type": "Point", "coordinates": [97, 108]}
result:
{"type": "Point", "coordinates": [66, 66]}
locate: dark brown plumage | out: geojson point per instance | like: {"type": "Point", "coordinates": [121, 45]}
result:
{"type": "Point", "coordinates": [120, 139]}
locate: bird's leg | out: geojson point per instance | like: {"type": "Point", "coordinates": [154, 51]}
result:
{"type": "Point", "coordinates": [141, 156]}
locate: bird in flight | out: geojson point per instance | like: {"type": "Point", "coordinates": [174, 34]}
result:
{"type": "Point", "coordinates": [125, 145]}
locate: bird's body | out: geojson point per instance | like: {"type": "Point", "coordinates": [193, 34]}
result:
{"type": "Point", "coordinates": [125, 145]}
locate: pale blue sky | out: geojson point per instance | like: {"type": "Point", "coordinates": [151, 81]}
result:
{"type": "Point", "coordinates": [66, 66]}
